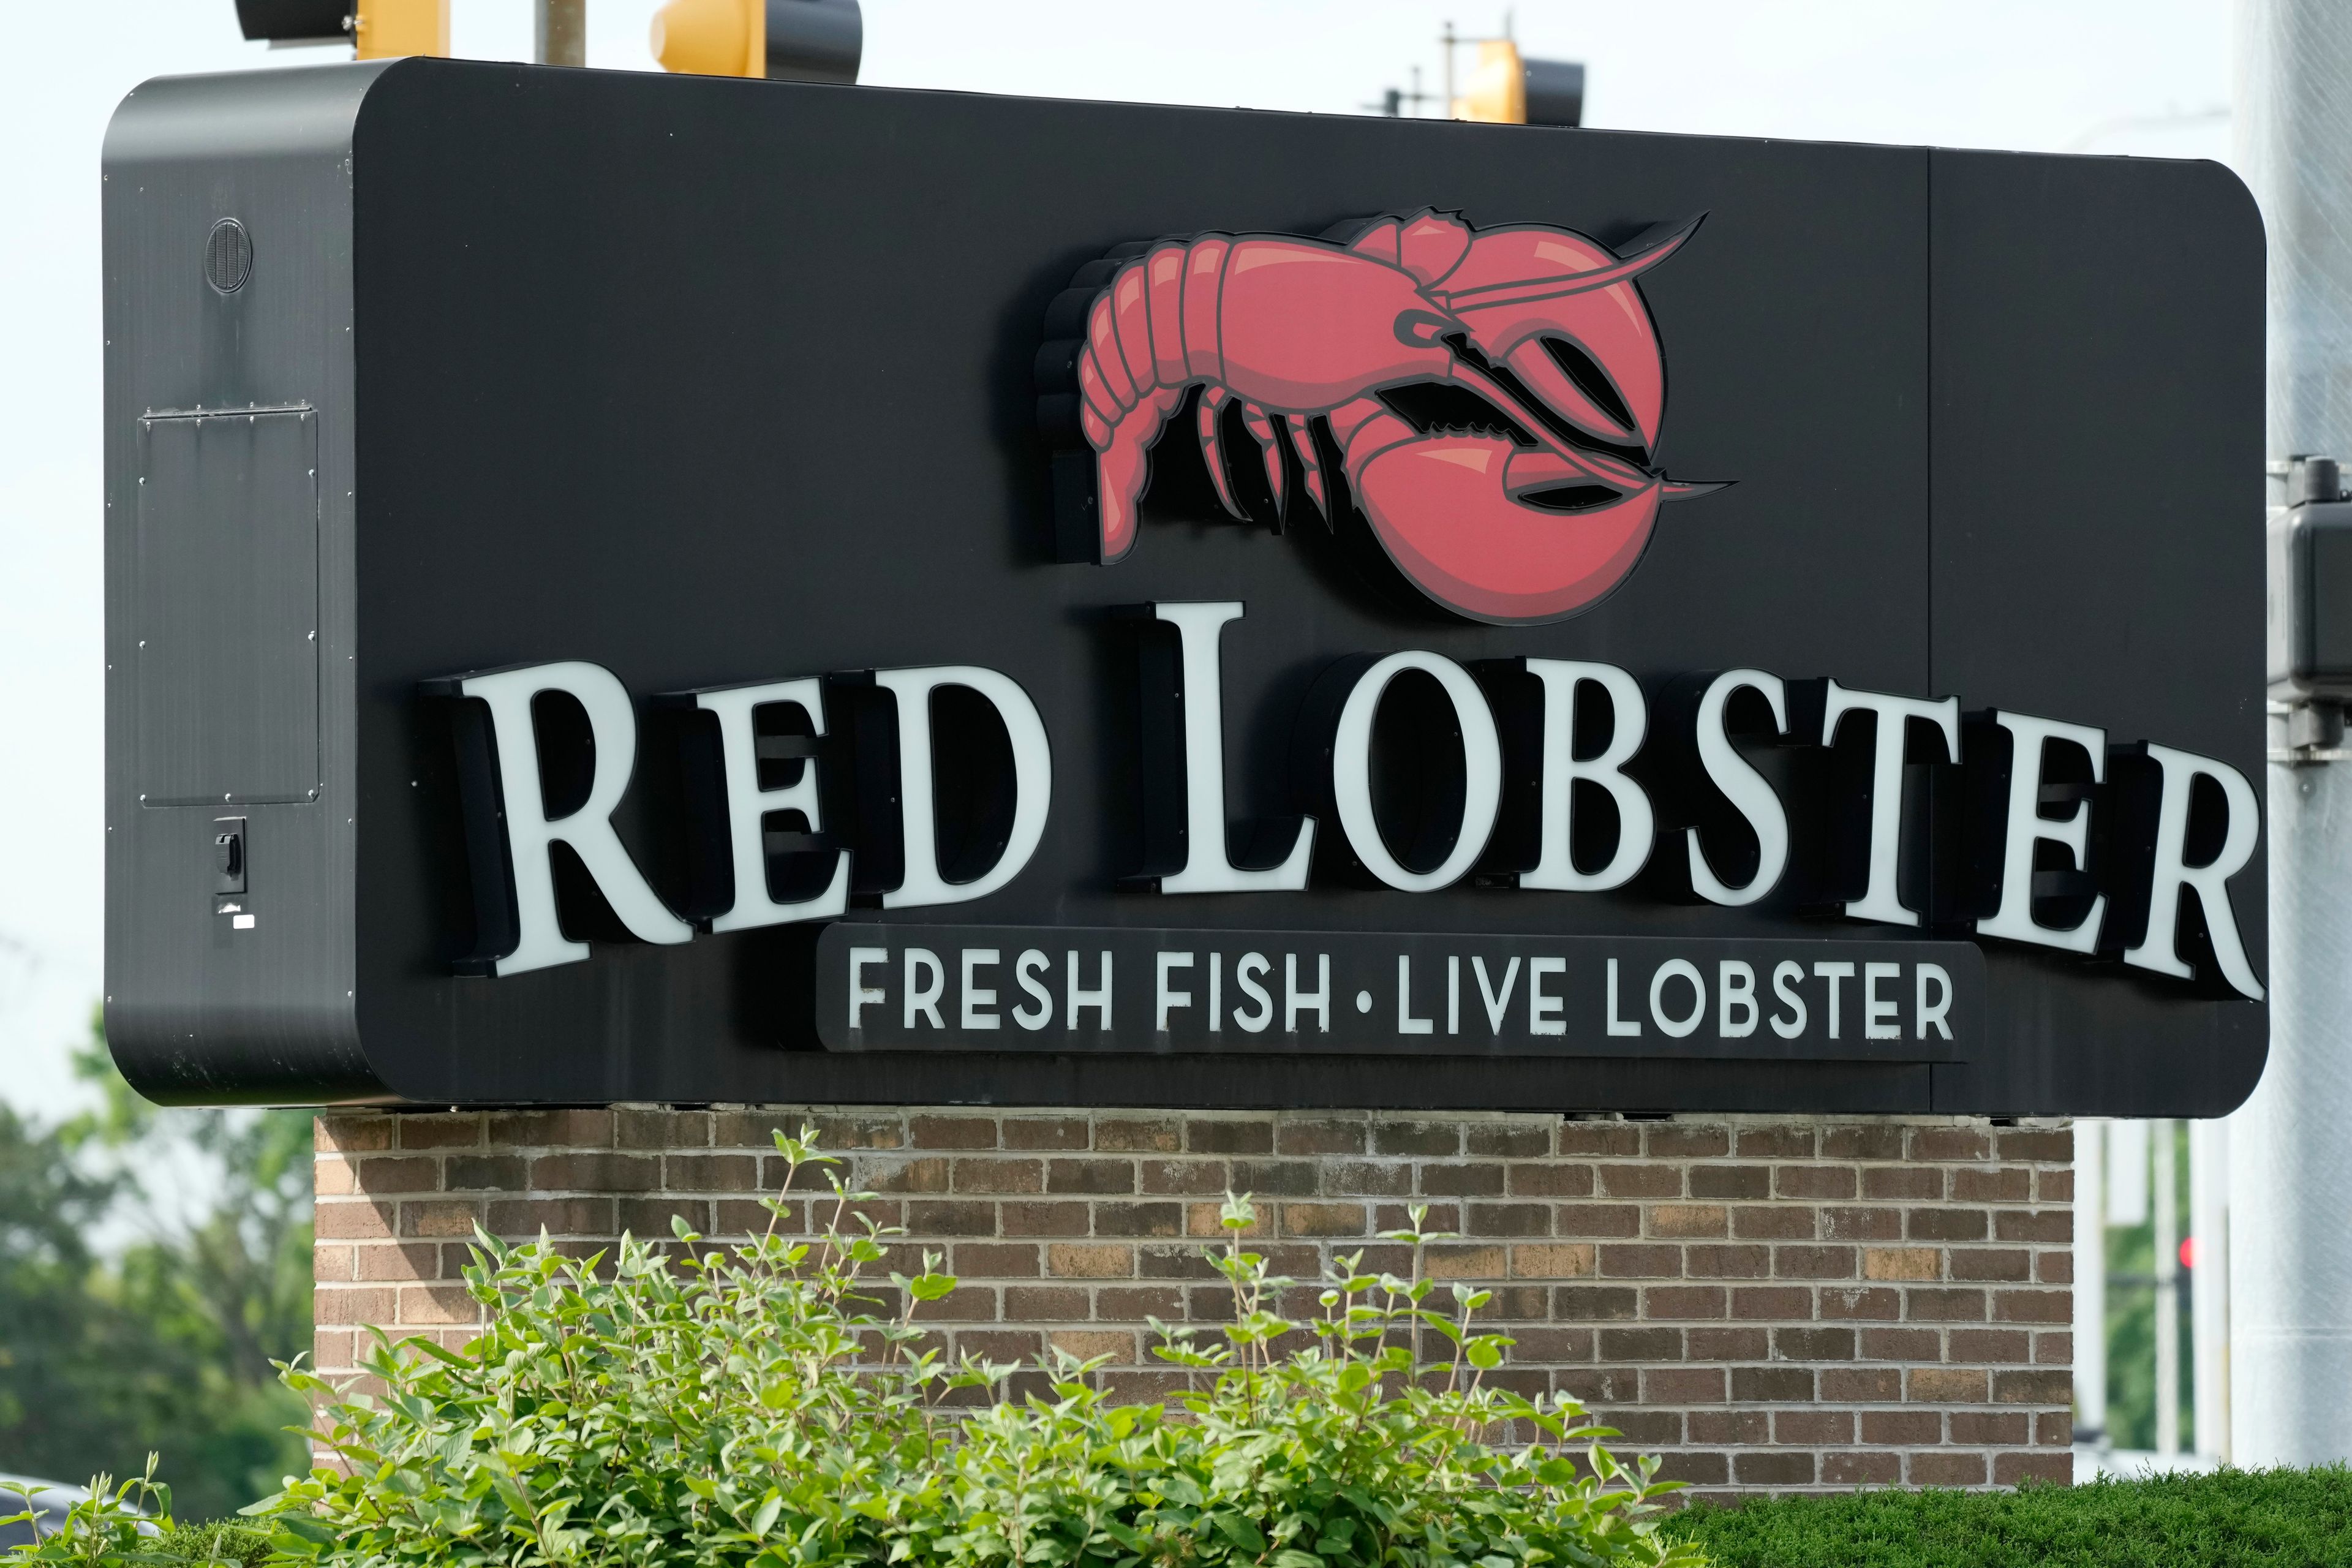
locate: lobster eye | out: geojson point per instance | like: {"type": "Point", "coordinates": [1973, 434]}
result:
{"type": "Point", "coordinates": [1571, 498]}
{"type": "Point", "coordinates": [1589, 379]}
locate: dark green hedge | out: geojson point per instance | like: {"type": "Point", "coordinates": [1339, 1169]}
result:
{"type": "Point", "coordinates": [2237, 1519]}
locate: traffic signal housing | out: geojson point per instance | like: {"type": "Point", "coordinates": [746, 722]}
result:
{"type": "Point", "coordinates": [783, 40]}
{"type": "Point", "coordinates": [377, 29]}
{"type": "Point", "coordinates": [1508, 89]}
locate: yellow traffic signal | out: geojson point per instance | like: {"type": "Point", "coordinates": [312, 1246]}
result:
{"type": "Point", "coordinates": [1498, 88]}
{"type": "Point", "coordinates": [783, 40]}
{"type": "Point", "coordinates": [712, 38]}
{"type": "Point", "coordinates": [383, 28]}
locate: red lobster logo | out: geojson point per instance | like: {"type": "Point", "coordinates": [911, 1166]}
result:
{"type": "Point", "coordinates": [1527, 501]}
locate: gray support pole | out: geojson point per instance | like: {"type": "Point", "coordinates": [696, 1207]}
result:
{"type": "Point", "coordinates": [2091, 1282]}
{"type": "Point", "coordinates": [561, 35]}
{"type": "Point", "coordinates": [2165, 1192]}
{"type": "Point", "coordinates": [2209, 1297]}
{"type": "Point", "coordinates": [2291, 1162]}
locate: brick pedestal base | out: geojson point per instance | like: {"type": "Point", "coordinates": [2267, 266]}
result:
{"type": "Point", "coordinates": [1773, 1304]}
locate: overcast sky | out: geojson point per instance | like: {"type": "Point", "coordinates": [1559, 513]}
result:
{"type": "Point", "coordinates": [2145, 77]}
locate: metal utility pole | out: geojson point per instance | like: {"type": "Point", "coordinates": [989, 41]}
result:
{"type": "Point", "coordinates": [2291, 1162]}
{"type": "Point", "coordinates": [2090, 1282]}
{"type": "Point", "coordinates": [562, 33]}
{"type": "Point", "coordinates": [2167, 1289]}
{"type": "Point", "coordinates": [2208, 1295]}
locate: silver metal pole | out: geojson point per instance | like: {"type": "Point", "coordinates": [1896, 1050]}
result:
{"type": "Point", "coordinates": [2291, 1164]}
{"type": "Point", "coordinates": [2208, 1295]}
{"type": "Point", "coordinates": [562, 33]}
{"type": "Point", "coordinates": [2091, 1282]}
{"type": "Point", "coordinates": [2167, 1203]}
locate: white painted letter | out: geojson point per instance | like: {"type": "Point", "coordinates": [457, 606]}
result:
{"type": "Point", "coordinates": [1482, 762]}
{"type": "Point", "coordinates": [1743, 786]}
{"type": "Point", "coordinates": [1033, 781]}
{"type": "Point", "coordinates": [1208, 859]}
{"type": "Point", "coordinates": [2026, 827]}
{"type": "Point", "coordinates": [1878, 901]}
{"type": "Point", "coordinates": [2171, 875]}
{"type": "Point", "coordinates": [613, 725]}
{"type": "Point", "coordinates": [747, 805]}
{"type": "Point", "coordinates": [1636, 827]}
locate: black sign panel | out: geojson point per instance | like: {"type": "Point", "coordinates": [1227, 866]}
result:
{"type": "Point", "coordinates": [762, 524]}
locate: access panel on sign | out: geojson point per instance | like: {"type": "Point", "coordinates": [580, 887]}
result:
{"type": "Point", "coordinates": [227, 608]}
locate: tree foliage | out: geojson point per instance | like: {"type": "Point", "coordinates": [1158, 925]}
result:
{"type": "Point", "coordinates": [168, 1336]}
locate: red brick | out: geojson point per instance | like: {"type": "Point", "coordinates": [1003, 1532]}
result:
{"type": "Point", "coordinates": [2055, 1267]}
{"type": "Point", "coordinates": [1187, 1178]}
{"type": "Point", "coordinates": [1901, 1344]}
{"type": "Point", "coordinates": [1589, 1303]}
{"type": "Point", "coordinates": [1553, 1260]}
{"type": "Point", "coordinates": [1625, 1262]}
{"type": "Point", "coordinates": [1861, 1470]}
{"type": "Point", "coordinates": [1668, 1141]}
{"type": "Point", "coordinates": [595, 1172]}
{"type": "Point", "coordinates": [1946, 1225]}
{"type": "Point", "coordinates": [485, 1173]}
{"type": "Point", "coordinates": [350, 1134]}
{"type": "Point", "coordinates": [2011, 1185]}
{"type": "Point", "coordinates": [1730, 1181]}
{"type": "Point", "coordinates": [995, 1259]}
{"type": "Point", "coordinates": [1985, 1263]}
{"type": "Point", "coordinates": [1776, 1142]}
{"type": "Point", "coordinates": [457, 1217]}
{"type": "Point", "coordinates": [834, 1135]}
{"type": "Point", "coordinates": [1916, 1184]}
{"type": "Point", "coordinates": [1944, 1385]}
{"type": "Point", "coordinates": [1902, 1263]}
{"type": "Point", "coordinates": [523, 1218]}
{"type": "Point", "coordinates": [1813, 1344]}
{"type": "Point", "coordinates": [1075, 1176]}
{"type": "Point", "coordinates": [1322, 1219]}
{"type": "Point", "coordinates": [2033, 1306]}
{"type": "Point", "coordinates": [1640, 1181]}
{"type": "Point", "coordinates": [382, 1175]}
{"type": "Point", "coordinates": [1640, 1345]}
{"type": "Point", "coordinates": [1990, 1428]}
{"type": "Point", "coordinates": [1946, 1468]}
{"type": "Point", "coordinates": [1670, 1301]}
{"type": "Point", "coordinates": [952, 1131]}
{"type": "Point", "coordinates": [1861, 1384]}
{"type": "Point", "coordinates": [1908, 1428]}
{"type": "Point", "coordinates": [1929, 1306]}
{"type": "Point", "coordinates": [1043, 1131]}
{"type": "Point", "coordinates": [1515, 1140]}
{"type": "Point", "coordinates": [363, 1306]}
{"type": "Point", "coordinates": [1600, 1220]}
{"type": "Point", "coordinates": [460, 1131]}
{"type": "Point", "coordinates": [2016, 1470]}
{"type": "Point", "coordinates": [1138, 1135]}
{"type": "Point", "coordinates": [1682, 1386]}
{"type": "Point", "coordinates": [1727, 1345]}
{"type": "Point", "coordinates": [1465, 1261]}
{"type": "Point", "coordinates": [1600, 1140]}
{"type": "Point", "coordinates": [1783, 1222]}
{"type": "Point", "coordinates": [551, 1129]}
{"type": "Point", "coordinates": [1772, 1301]}
{"type": "Point", "coordinates": [1771, 1385]}
{"type": "Point", "coordinates": [1462, 1181]}
{"type": "Point", "coordinates": [978, 1175]}
{"type": "Point", "coordinates": [1727, 1262]}
{"type": "Point", "coordinates": [437, 1304]}
{"type": "Point", "coordinates": [950, 1217]}
{"type": "Point", "coordinates": [1859, 1303]}
{"type": "Point", "coordinates": [1951, 1143]}
{"type": "Point", "coordinates": [1688, 1220]}
{"type": "Point", "coordinates": [1729, 1427]}
{"type": "Point", "coordinates": [1870, 1140]}
{"type": "Point", "coordinates": [1861, 1224]}
{"type": "Point", "coordinates": [1816, 1427]}
{"type": "Point", "coordinates": [2054, 1187]}
{"type": "Point", "coordinates": [1813, 1262]}
{"type": "Point", "coordinates": [2054, 1226]}
{"type": "Point", "coordinates": [2033, 1387]}
{"type": "Point", "coordinates": [662, 1129]}
{"type": "Point", "coordinates": [1320, 1135]}
{"type": "Point", "coordinates": [1080, 1260]}
{"type": "Point", "coordinates": [2051, 1148]}
{"type": "Point", "coordinates": [2054, 1428]}
{"type": "Point", "coordinates": [1772, 1467]}
{"type": "Point", "coordinates": [1814, 1182]}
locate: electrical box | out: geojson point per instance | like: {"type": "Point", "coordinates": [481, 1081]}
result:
{"type": "Point", "coordinates": [2310, 563]}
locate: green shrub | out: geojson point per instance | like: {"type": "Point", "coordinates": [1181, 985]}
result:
{"type": "Point", "coordinates": [757, 1405]}
{"type": "Point", "coordinates": [2237, 1519]}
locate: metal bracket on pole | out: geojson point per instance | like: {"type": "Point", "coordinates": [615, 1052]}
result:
{"type": "Point", "coordinates": [2310, 591]}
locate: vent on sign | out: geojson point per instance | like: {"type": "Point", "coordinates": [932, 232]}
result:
{"type": "Point", "coordinates": [228, 256]}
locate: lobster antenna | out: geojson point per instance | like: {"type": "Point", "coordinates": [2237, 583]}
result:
{"type": "Point", "coordinates": [1527, 291]}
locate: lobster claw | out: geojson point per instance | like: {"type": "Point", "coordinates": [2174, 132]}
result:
{"type": "Point", "coordinates": [1454, 514]}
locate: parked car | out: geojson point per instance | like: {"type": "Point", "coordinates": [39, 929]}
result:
{"type": "Point", "coordinates": [47, 1501]}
